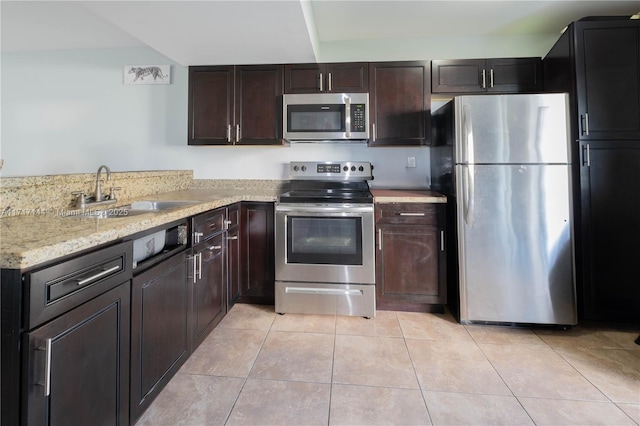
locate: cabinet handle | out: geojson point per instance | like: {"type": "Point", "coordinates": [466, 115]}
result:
{"type": "Point", "coordinates": [212, 248]}
{"type": "Point", "coordinates": [586, 156]}
{"type": "Point", "coordinates": [441, 240]}
{"type": "Point", "coordinates": [197, 235]}
{"type": "Point", "coordinates": [47, 367]}
{"type": "Point", "coordinates": [411, 214]}
{"type": "Point", "coordinates": [484, 79]}
{"type": "Point", "coordinates": [194, 268]}
{"type": "Point", "coordinates": [226, 224]}
{"type": "Point", "coordinates": [321, 82]}
{"type": "Point", "coordinates": [585, 123]}
{"type": "Point", "coordinates": [235, 237]}
{"type": "Point", "coordinates": [199, 255]}
{"type": "Point", "coordinates": [373, 131]}
{"type": "Point", "coordinates": [237, 133]}
{"type": "Point", "coordinates": [98, 275]}
{"type": "Point", "coordinates": [228, 132]}
{"type": "Point", "coordinates": [379, 239]}
{"type": "Point", "coordinates": [330, 82]}
{"type": "Point", "coordinates": [491, 77]}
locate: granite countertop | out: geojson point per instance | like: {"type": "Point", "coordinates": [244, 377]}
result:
{"type": "Point", "coordinates": [34, 237]}
{"type": "Point", "coordinates": [407, 196]}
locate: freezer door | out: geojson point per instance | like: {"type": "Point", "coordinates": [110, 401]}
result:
{"type": "Point", "coordinates": [512, 129]}
{"type": "Point", "coordinates": [515, 244]}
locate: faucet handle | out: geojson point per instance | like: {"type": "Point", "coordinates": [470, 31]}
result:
{"type": "Point", "coordinates": [112, 192]}
{"type": "Point", "coordinates": [81, 201]}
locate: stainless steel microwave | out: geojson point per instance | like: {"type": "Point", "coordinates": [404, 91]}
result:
{"type": "Point", "coordinates": [322, 117]}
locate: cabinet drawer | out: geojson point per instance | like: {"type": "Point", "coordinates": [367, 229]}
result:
{"type": "Point", "coordinates": [407, 213]}
{"type": "Point", "coordinates": [56, 289]}
{"type": "Point", "coordinates": [208, 224]}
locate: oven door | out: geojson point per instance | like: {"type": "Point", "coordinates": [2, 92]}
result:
{"type": "Point", "coordinates": [328, 243]}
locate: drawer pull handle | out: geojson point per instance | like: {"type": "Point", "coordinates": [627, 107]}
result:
{"type": "Point", "coordinates": [197, 235]}
{"type": "Point", "coordinates": [235, 237]}
{"type": "Point", "coordinates": [212, 248]}
{"type": "Point", "coordinates": [212, 225]}
{"type": "Point", "coordinates": [99, 275]}
{"type": "Point", "coordinates": [411, 214]}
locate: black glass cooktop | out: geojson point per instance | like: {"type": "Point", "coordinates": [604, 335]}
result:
{"type": "Point", "coordinates": [327, 192]}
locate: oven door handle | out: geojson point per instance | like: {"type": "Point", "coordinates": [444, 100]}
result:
{"type": "Point", "coordinates": [324, 209]}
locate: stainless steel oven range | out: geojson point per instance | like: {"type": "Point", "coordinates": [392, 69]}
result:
{"type": "Point", "coordinates": [325, 240]}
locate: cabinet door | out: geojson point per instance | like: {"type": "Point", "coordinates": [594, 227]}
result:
{"type": "Point", "coordinates": [400, 98]}
{"type": "Point", "coordinates": [258, 275]}
{"type": "Point", "coordinates": [514, 75]}
{"type": "Point", "coordinates": [303, 78]}
{"type": "Point", "coordinates": [258, 105]}
{"type": "Point", "coordinates": [458, 76]}
{"type": "Point", "coordinates": [210, 105]}
{"type": "Point", "coordinates": [159, 329]}
{"type": "Point", "coordinates": [347, 77]}
{"type": "Point", "coordinates": [407, 267]}
{"type": "Point", "coordinates": [234, 281]}
{"type": "Point", "coordinates": [209, 295]}
{"type": "Point", "coordinates": [83, 356]}
{"type": "Point", "coordinates": [610, 182]}
{"type": "Point", "coordinates": [607, 79]}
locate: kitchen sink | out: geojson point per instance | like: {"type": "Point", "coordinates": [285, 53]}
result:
{"type": "Point", "coordinates": [156, 205]}
{"type": "Point", "coordinates": [134, 209]}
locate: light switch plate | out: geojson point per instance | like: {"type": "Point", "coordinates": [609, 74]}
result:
{"type": "Point", "coordinates": [411, 162]}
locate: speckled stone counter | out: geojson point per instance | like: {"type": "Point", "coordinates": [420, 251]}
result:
{"type": "Point", "coordinates": [31, 239]}
{"type": "Point", "coordinates": [407, 196]}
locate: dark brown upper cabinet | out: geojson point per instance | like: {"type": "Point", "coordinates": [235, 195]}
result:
{"type": "Point", "coordinates": [598, 63]}
{"type": "Point", "coordinates": [347, 77]}
{"type": "Point", "coordinates": [502, 75]}
{"type": "Point", "coordinates": [400, 103]}
{"type": "Point", "coordinates": [235, 105]}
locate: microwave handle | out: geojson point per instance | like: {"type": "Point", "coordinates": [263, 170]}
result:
{"type": "Point", "coordinates": [347, 116]}
{"type": "Point", "coordinates": [321, 82]}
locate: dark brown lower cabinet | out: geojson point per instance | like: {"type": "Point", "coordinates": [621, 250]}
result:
{"type": "Point", "coordinates": [610, 184]}
{"type": "Point", "coordinates": [209, 286]}
{"type": "Point", "coordinates": [410, 257]}
{"type": "Point", "coordinates": [159, 329]}
{"type": "Point", "coordinates": [78, 365]}
{"type": "Point", "coordinates": [257, 246]}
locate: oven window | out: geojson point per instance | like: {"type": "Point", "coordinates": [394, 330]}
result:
{"type": "Point", "coordinates": [324, 240]}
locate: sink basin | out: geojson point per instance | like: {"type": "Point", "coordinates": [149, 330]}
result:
{"type": "Point", "coordinates": [133, 209]}
{"type": "Point", "coordinates": [156, 205]}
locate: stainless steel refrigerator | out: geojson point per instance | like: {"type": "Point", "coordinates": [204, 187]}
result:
{"type": "Point", "coordinates": [505, 161]}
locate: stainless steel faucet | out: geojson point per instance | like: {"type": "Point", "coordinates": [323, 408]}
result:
{"type": "Point", "coordinates": [98, 193]}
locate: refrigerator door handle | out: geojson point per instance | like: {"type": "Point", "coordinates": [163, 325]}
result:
{"type": "Point", "coordinates": [467, 148]}
{"type": "Point", "coordinates": [468, 199]}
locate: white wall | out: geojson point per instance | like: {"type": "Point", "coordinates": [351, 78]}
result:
{"type": "Point", "coordinates": [68, 112]}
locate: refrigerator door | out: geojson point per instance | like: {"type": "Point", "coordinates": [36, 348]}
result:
{"type": "Point", "coordinates": [515, 244]}
{"type": "Point", "coordinates": [512, 129]}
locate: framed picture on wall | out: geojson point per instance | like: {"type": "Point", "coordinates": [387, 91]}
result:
{"type": "Point", "coordinates": [147, 74]}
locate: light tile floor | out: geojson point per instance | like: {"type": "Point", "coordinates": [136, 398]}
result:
{"type": "Point", "coordinates": [402, 368]}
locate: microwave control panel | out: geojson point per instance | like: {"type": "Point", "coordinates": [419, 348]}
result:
{"type": "Point", "coordinates": [357, 118]}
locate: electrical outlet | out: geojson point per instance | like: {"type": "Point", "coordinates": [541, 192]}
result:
{"type": "Point", "coordinates": [411, 162]}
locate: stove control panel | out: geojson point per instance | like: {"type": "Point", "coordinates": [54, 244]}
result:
{"type": "Point", "coordinates": [331, 170]}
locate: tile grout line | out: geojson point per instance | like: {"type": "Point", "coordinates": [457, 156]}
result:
{"type": "Point", "coordinates": [500, 375]}
{"type": "Point", "coordinates": [413, 366]}
{"type": "Point", "coordinates": [249, 372]}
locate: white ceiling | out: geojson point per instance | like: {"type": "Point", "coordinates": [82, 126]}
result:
{"type": "Point", "coordinates": [285, 31]}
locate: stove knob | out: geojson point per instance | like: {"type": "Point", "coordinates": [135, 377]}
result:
{"type": "Point", "coordinates": [295, 168]}
{"type": "Point", "coordinates": [304, 168]}
{"type": "Point", "coordinates": [361, 168]}
{"type": "Point", "coordinates": [345, 168]}
{"type": "Point", "coordinates": [353, 168]}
